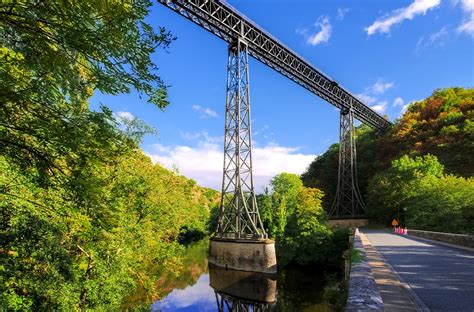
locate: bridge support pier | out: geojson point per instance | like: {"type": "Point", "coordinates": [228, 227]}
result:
{"type": "Point", "coordinates": [348, 202]}
{"type": "Point", "coordinates": [240, 242]}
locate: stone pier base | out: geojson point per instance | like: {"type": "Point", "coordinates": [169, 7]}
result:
{"type": "Point", "coordinates": [255, 255]}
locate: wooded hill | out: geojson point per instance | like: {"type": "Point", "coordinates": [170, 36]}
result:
{"type": "Point", "coordinates": [429, 150]}
{"type": "Point", "coordinates": [85, 216]}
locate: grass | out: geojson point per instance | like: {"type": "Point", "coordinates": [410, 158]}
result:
{"type": "Point", "coordinates": [356, 256]}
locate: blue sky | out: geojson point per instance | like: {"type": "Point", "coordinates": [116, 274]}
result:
{"type": "Point", "coordinates": [389, 53]}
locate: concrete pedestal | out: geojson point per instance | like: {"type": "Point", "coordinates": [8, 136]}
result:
{"type": "Point", "coordinates": [255, 255]}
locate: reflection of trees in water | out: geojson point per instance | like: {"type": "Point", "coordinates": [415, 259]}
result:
{"type": "Point", "coordinates": [193, 265]}
{"type": "Point", "coordinates": [300, 289]}
{"type": "Point", "coordinates": [226, 303]}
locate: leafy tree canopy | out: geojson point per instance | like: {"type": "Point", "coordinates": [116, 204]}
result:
{"type": "Point", "coordinates": [441, 125]}
{"type": "Point", "coordinates": [294, 217]}
{"type": "Point", "coordinates": [54, 55]}
{"type": "Point", "coordinates": [85, 216]}
{"type": "Point", "coordinates": [426, 198]}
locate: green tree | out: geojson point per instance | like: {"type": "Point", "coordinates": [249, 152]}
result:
{"type": "Point", "coordinates": [85, 217]}
{"type": "Point", "coordinates": [285, 188]}
{"type": "Point", "coordinates": [322, 174]}
{"type": "Point", "coordinates": [441, 125]}
{"type": "Point", "coordinates": [294, 217]}
{"type": "Point", "coordinates": [306, 229]}
{"type": "Point", "coordinates": [53, 56]}
{"type": "Point", "coordinates": [426, 197]}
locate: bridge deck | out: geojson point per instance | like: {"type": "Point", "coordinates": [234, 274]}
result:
{"type": "Point", "coordinates": [442, 277]}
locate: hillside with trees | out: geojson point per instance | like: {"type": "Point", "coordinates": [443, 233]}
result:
{"type": "Point", "coordinates": [85, 216]}
{"type": "Point", "coordinates": [423, 165]}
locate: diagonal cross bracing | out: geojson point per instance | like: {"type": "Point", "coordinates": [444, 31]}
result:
{"type": "Point", "coordinates": [238, 214]}
{"type": "Point", "coordinates": [230, 25]}
{"type": "Point", "coordinates": [348, 202]}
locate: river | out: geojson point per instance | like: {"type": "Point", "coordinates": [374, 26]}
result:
{"type": "Point", "coordinates": [202, 288]}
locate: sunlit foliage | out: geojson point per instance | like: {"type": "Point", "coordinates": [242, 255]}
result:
{"type": "Point", "coordinates": [425, 197]}
{"type": "Point", "coordinates": [294, 217]}
{"type": "Point", "coordinates": [85, 217]}
{"type": "Point", "coordinates": [442, 126]}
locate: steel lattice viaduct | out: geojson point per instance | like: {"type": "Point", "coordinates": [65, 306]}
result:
{"type": "Point", "coordinates": [241, 241]}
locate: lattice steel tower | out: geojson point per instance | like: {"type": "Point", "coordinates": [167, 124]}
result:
{"type": "Point", "coordinates": [348, 202]}
{"type": "Point", "coordinates": [238, 215]}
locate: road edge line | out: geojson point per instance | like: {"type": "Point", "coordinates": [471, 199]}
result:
{"type": "Point", "coordinates": [405, 285]}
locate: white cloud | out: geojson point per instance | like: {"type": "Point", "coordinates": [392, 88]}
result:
{"type": "Point", "coordinates": [199, 294]}
{"type": "Point", "coordinates": [468, 25]}
{"type": "Point", "coordinates": [341, 13]}
{"type": "Point", "coordinates": [404, 108]}
{"type": "Point", "coordinates": [204, 111]}
{"type": "Point", "coordinates": [125, 115]}
{"type": "Point", "coordinates": [418, 7]}
{"type": "Point", "coordinates": [398, 102]}
{"type": "Point", "coordinates": [263, 130]}
{"type": "Point", "coordinates": [204, 162]}
{"type": "Point", "coordinates": [467, 5]}
{"type": "Point", "coordinates": [202, 136]}
{"type": "Point", "coordinates": [437, 38]}
{"type": "Point", "coordinates": [439, 35]}
{"type": "Point", "coordinates": [323, 34]}
{"type": "Point", "coordinates": [380, 87]}
{"type": "Point", "coordinates": [367, 99]}
{"type": "Point", "coordinates": [380, 107]}
{"type": "Point", "coordinates": [370, 96]}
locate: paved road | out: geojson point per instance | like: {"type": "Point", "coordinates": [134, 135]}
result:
{"type": "Point", "coordinates": [442, 277]}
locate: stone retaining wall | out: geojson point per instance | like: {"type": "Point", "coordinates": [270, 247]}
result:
{"type": "Point", "coordinates": [363, 292]}
{"type": "Point", "coordinates": [348, 223]}
{"type": "Point", "coordinates": [455, 239]}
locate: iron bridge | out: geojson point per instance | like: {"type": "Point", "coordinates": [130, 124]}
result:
{"type": "Point", "coordinates": [239, 216]}
{"type": "Point", "coordinates": [227, 23]}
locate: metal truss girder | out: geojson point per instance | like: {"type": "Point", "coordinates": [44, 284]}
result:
{"type": "Point", "coordinates": [238, 215]}
{"type": "Point", "coordinates": [348, 202]}
{"type": "Point", "coordinates": [227, 23]}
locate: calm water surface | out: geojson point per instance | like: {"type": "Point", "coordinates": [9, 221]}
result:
{"type": "Point", "coordinates": [203, 288]}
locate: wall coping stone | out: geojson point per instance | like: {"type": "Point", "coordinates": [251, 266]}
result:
{"type": "Point", "coordinates": [363, 294]}
{"type": "Point", "coordinates": [450, 238]}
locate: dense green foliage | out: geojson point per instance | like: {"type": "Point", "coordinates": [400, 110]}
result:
{"type": "Point", "coordinates": [442, 126]}
{"type": "Point", "coordinates": [427, 198]}
{"type": "Point", "coordinates": [53, 56]}
{"type": "Point", "coordinates": [62, 250]}
{"type": "Point", "coordinates": [294, 217]}
{"type": "Point", "coordinates": [85, 216]}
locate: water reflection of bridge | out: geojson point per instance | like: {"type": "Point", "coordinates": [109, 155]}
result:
{"type": "Point", "coordinates": [241, 291]}
{"type": "Point", "coordinates": [229, 303]}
